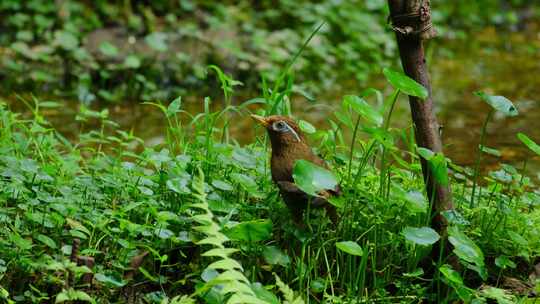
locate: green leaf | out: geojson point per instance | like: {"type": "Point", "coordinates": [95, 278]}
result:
{"type": "Point", "coordinates": [529, 143]}
{"type": "Point", "coordinates": [437, 163]}
{"type": "Point", "coordinates": [222, 185]}
{"type": "Point", "coordinates": [518, 239]}
{"type": "Point", "coordinates": [20, 242]}
{"type": "Point", "coordinates": [108, 49]}
{"type": "Point", "coordinates": [245, 181]}
{"type": "Point", "coordinates": [275, 256]}
{"type": "Point", "coordinates": [220, 252]}
{"type": "Point", "coordinates": [416, 201]}
{"type": "Point", "coordinates": [318, 285]}
{"type": "Point", "coordinates": [47, 241]}
{"type": "Point", "coordinates": [252, 231]}
{"type": "Point", "coordinates": [132, 62]}
{"type": "Point", "coordinates": [490, 151]}
{"type": "Point", "coordinates": [65, 40]}
{"type": "Point", "coordinates": [350, 247]}
{"type": "Point", "coordinates": [454, 217]}
{"type": "Point", "coordinates": [440, 169]}
{"type": "Point", "coordinates": [427, 154]}
{"type": "Point", "coordinates": [73, 295]}
{"type": "Point", "coordinates": [174, 106]}
{"type": "Point", "coordinates": [504, 262]}
{"type": "Point", "coordinates": [380, 135]}
{"type": "Point", "coordinates": [405, 84]}
{"type": "Point", "coordinates": [109, 280]}
{"type": "Point", "coordinates": [147, 275]}
{"type": "Point", "coordinates": [418, 272]}
{"type": "Point", "coordinates": [499, 103]}
{"type": "Point", "coordinates": [362, 108]}
{"type": "Point", "coordinates": [467, 251]}
{"type": "Point", "coordinates": [77, 225]}
{"type": "Point", "coordinates": [263, 294]}
{"type": "Point", "coordinates": [422, 236]}
{"type": "Point", "coordinates": [311, 178]}
{"type": "Point", "coordinates": [226, 264]}
{"type": "Point", "coordinates": [454, 279]}
{"type": "Point", "coordinates": [306, 127]}
{"type": "Point", "coordinates": [500, 295]}
{"type": "Point", "coordinates": [157, 41]}
{"type": "Point", "coordinates": [163, 233]}
{"type": "Point", "coordinates": [179, 185]}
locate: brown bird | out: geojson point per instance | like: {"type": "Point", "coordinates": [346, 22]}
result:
{"type": "Point", "coordinates": [288, 146]}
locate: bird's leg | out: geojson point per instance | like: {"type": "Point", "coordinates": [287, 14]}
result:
{"type": "Point", "coordinates": [332, 213]}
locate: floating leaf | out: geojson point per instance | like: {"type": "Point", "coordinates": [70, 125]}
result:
{"type": "Point", "coordinates": [501, 176]}
{"type": "Point", "coordinates": [350, 247]}
{"type": "Point", "coordinates": [312, 178]}
{"type": "Point", "coordinates": [405, 84]}
{"type": "Point", "coordinates": [422, 236]}
{"type": "Point", "coordinates": [499, 103]}
{"type": "Point", "coordinates": [529, 143]}
{"type": "Point", "coordinates": [490, 151]}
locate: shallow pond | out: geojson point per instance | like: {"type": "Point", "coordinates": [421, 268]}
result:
{"type": "Point", "coordinates": [498, 63]}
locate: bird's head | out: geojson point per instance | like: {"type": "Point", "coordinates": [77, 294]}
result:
{"type": "Point", "coordinates": [283, 131]}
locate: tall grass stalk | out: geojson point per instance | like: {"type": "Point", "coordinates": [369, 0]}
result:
{"type": "Point", "coordinates": [479, 157]}
{"type": "Point", "coordinates": [383, 174]}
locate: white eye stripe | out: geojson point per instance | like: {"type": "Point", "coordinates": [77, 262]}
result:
{"type": "Point", "coordinates": [282, 126]}
{"type": "Point", "coordinates": [294, 133]}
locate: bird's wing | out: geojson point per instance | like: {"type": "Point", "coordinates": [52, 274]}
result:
{"type": "Point", "coordinates": [290, 187]}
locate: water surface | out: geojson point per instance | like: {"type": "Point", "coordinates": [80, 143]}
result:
{"type": "Point", "coordinates": [495, 62]}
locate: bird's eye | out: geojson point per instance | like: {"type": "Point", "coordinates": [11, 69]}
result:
{"type": "Point", "coordinates": [280, 126]}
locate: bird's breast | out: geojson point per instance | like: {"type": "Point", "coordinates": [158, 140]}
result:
{"type": "Point", "coordinates": [282, 168]}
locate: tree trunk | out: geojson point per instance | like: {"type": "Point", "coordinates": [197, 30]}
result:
{"type": "Point", "coordinates": [412, 24]}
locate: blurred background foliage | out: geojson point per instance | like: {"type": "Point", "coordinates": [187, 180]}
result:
{"type": "Point", "coordinates": [146, 50]}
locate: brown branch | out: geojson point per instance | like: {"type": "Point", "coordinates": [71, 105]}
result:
{"type": "Point", "coordinates": [411, 20]}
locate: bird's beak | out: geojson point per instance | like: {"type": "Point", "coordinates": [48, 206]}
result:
{"type": "Point", "coordinates": [261, 120]}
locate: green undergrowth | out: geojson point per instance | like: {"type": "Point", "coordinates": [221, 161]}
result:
{"type": "Point", "coordinates": [115, 51]}
{"type": "Point", "coordinates": [197, 219]}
